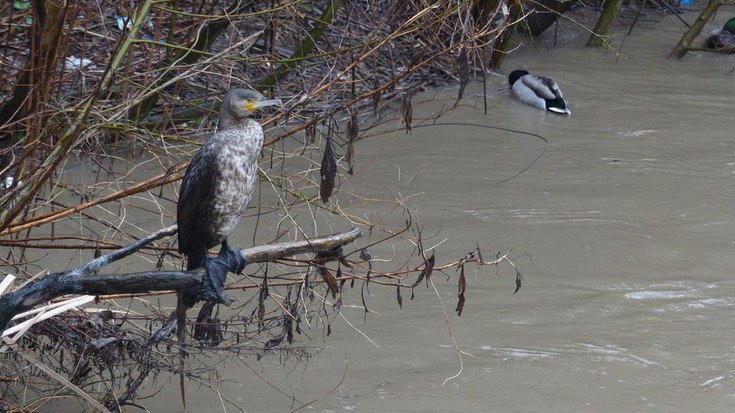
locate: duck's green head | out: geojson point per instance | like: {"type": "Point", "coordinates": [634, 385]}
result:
{"type": "Point", "coordinates": [729, 26]}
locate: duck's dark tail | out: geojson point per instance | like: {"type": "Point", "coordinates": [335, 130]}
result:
{"type": "Point", "coordinates": [558, 105]}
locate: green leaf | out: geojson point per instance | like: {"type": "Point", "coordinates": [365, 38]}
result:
{"type": "Point", "coordinates": [21, 4]}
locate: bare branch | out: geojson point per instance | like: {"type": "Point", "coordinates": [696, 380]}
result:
{"type": "Point", "coordinates": [75, 282]}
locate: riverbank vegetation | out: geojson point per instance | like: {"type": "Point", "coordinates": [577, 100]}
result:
{"type": "Point", "coordinates": [102, 106]}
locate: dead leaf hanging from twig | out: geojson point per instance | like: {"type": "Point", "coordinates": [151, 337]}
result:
{"type": "Point", "coordinates": [328, 171]}
{"type": "Point", "coordinates": [461, 287]}
{"type": "Point", "coordinates": [519, 278]}
{"type": "Point", "coordinates": [329, 280]}
{"type": "Point", "coordinates": [426, 272]}
{"type": "Point", "coordinates": [407, 111]}
{"type": "Point", "coordinates": [261, 302]}
{"type": "Point", "coordinates": [309, 135]}
{"type": "Point", "coordinates": [376, 96]}
{"type": "Point", "coordinates": [353, 128]}
{"type": "Point", "coordinates": [364, 303]}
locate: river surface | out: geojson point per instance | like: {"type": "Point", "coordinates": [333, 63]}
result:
{"type": "Point", "coordinates": [628, 295]}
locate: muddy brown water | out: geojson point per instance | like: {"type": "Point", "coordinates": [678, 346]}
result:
{"type": "Point", "coordinates": [627, 303]}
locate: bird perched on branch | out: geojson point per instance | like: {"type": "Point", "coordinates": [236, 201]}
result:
{"type": "Point", "coordinates": [539, 91]}
{"type": "Point", "coordinates": [216, 189]}
{"type": "Point", "coordinates": [723, 41]}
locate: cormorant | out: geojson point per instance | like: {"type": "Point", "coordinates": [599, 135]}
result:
{"type": "Point", "coordinates": [215, 191]}
{"type": "Point", "coordinates": [539, 91]}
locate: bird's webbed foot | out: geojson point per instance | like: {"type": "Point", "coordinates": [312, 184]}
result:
{"type": "Point", "coordinates": [235, 261]}
{"type": "Point", "coordinates": [216, 274]}
{"type": "Point", "coordinates": [217, 269]}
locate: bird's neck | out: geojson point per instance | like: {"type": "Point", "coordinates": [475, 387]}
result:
{"type": "Point", "coordinates": [230, 123]}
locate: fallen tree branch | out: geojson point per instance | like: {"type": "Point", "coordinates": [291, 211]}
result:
{"type": "Point", "coordinates": [76, 282]}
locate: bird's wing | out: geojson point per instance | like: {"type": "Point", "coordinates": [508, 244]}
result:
{"type": "Point", "coordinates": [551, 86]}
{"type": "Point", "coordinates": [195, 197]}
{"type": "Point", "coordinates": [543, 87]}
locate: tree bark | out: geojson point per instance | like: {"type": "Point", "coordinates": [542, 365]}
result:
{"type": "Point", "coordinates": [545, 13]}
{"type": "Point", "coordinates": [502, 44]}
{"type": "Point", "coordinates": [602, 30]}
{"type": "Point", "coordinates": [34, 80]}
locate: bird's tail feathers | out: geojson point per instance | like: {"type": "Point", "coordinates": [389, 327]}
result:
{"type": "Point", "coordinates": [558, 106]}
{"type": "Point", "coordinates": [563, 111]}
{"type": "Point", "coordinates": [194, 261]}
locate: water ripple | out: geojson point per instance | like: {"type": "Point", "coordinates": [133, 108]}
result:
{"type": "Point", "coordinates": [587, 351]}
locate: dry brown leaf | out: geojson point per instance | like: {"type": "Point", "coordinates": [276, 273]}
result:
{"type": "Point", "coordinates": [353, 128]}
{"type": "Point", "coordinates": [426, 272]}
{"type": "Point", "coordinates": [329, 280]}
{"type": "Point", "coordinates": [461, 287]}
{"type": "Point", "coordinates": [328, 172]}
{"type": "Point", "coordinates": [407, 111]}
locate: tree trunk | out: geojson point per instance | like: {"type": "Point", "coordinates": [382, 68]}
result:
{"type": "Point", "coordinates": [502, 44]}
{"type": "Point", "coordinates": [545, 13]}
{"type": "Point", "coordinates": [35, 79]}
{"type": "Point", "coordinates": [602, 30]}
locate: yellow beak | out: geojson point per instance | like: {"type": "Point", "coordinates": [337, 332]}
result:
{"type": "Point", "coordinates": [256, 104]}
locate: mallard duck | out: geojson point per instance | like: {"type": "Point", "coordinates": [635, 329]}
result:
{"type": "Point", "coordinates": [539, 91]}
{"type": "Point", "coordinates": [723, 41]}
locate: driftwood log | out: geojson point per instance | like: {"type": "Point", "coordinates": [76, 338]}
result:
{"type": "Point", "coordinates": [76, 281]}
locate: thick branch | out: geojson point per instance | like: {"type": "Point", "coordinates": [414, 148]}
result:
{"type": "Point", "coordinates": [74, 282]}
